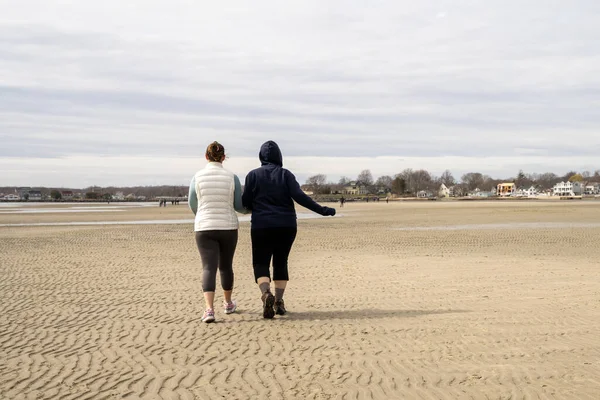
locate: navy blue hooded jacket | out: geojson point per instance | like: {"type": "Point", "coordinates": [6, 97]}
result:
{"type": "Point", "coordinates": [270, 192]}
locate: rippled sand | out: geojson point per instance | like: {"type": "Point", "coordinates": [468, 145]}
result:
{"type": "Point", "coordinates": [388, 301]}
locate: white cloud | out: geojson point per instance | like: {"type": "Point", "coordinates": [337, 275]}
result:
{"type": "Point", "coordinates": [498, 80]}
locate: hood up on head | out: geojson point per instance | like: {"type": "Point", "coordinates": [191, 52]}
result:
{"type": "Point", "coordinates": [270, 154]}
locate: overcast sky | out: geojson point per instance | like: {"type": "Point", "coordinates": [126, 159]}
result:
{"type": "Point", "coordinates": [131, 92]}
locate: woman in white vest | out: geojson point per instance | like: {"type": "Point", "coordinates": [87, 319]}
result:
{"type": "Point", "coordinates": [215, 196]}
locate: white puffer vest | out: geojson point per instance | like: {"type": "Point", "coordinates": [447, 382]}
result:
{"type": "Point", "coordinates": [215, 187]}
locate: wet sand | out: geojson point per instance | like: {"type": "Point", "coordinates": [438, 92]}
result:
{"type": "Point", "coordinates": [427, 300]}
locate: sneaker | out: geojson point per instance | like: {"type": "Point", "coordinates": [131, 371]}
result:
{"type": "Point", "coordinates": [268, 301]}
{"type": "Point", "coordinates": [230, 307]}
{"type": "Point", "coordinates": [280, 307]}
{"type": "Point", "coordinates": [209, 316]}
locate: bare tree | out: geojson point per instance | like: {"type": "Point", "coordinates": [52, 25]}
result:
{"type": "Point", "coordinates": [547, 180]}
{"type": "Point", "coordinates": [434, 184]}
{"type": "Point", "coordinates": [385, 181]}
{"type": "Point", "coordinates": [568, 175]}
{"type": "Point", "coordinates": [407, 176]}
{"type": "Point", "coordinates": [421, 180]}
{"type": "Point", "coordinates": [461, 190]}
{"type": "Point", "coordinates": [448, 179]}
{"type": "Point", "coordinates": [398, 185]}
{"type": "Point", "coordinates": [521, 179]}
{"type": "Point", "coordinates": [366, 177]}
{"type": "Point", "coordinates": [316, 182]}
{"type": "Point", "coordinates": [344, 180]}
{"type": "Point", "coordinates": [472, 180]}
{"type": "Point", "coordinates": [489, 183]}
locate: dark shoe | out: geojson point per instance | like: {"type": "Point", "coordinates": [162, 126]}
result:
{"type": "Point", "coordinates": [280, 307]}
{"type": "Point", "coordinates": [268, 301]}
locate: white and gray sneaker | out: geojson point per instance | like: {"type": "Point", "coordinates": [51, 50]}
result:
{"type": "Point", "coordinates": [209, 316]}
{"type": "Point", "coordinates": [230, 307]}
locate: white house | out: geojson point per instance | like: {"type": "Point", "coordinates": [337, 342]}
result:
{"type": "Point", "coordinates": [592, 188]}
{"type": "Point", "coordinates": [444, 191]}
{"type": "Point", "coordinates": [119, 196]}
{"type": "Point", "coordinates": [356, 188]}
{"type": "Point", "coordinates": [568, 189]}
{"type": "Point", "coordinates": [531, 192]}
{"type": "Point", "coordinates": [12, 197]}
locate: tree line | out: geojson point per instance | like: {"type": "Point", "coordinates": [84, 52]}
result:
{"type": "Point", "coordinates": [411, 181]}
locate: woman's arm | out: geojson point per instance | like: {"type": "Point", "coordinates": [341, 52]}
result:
{"type": "Point", "coordinates": [303, 199]}
{"type": "Point", "coordinates": [237, 197]}
{"type": "Point", "coordinates": [248, 196]}
{"type": "Point", "coordinates": [193, 197]}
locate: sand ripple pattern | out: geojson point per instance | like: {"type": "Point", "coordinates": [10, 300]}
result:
{"type": "Point", "coordinates": [114, 312]}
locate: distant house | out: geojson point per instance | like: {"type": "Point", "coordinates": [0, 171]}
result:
{"type": "Point", "coordinates": [444, 191]}
{"type": "Point", "coordinates": [35, 195]}
{"type": "Point", "coordinates": [506, 189]}
{"type": "Point", "coordinates": [530, 192]}
{"type": "Point", "coordinates": [67, 194]}
{"type": "Point", "coordinates": [336, 189]}
{"type": "Point", "coordinates": [356, 188]}
{"type": "Point", "coordinates": [23, 192]}
{"type": "Point", "coordinates": [382, 190]}
{"type": "Point", "coordinates": [592, 188]}
{"type": "Point", "coordinates": [482, 193]}
{"type": "Point", "coordinates": [568, 189]}
{"type": "Point", "coordinates": [425, 194]}
{"type": "Point", "coordinates": [11, 197]}
{"type": "Point", "coordinates": [118, 196]}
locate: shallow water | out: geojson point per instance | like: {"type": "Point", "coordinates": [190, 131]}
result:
{"type": "Point", "coordinates": [517, 225]}
{"type": "Point", "coordinates": [76, 205]}
{"type": "Point", "coordinates": [51, 208]}
{"type": "Point", "coordinates": [62, 210]}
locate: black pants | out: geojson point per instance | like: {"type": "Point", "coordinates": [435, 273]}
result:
{"type": "Point", "coordinates": [216, 250]}
{"type": "Point", "coordinates": [275, 243]}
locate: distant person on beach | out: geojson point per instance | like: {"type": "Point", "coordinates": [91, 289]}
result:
{"type": "Point", "coordinates": [215, 195]}
{"type": "Point", "coordinates": [342, 200]}
{"type": "Point", "coordinates": [269, 193]}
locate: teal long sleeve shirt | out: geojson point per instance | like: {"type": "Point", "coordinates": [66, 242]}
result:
{"type": "Point", "coordinates": [237, 196]}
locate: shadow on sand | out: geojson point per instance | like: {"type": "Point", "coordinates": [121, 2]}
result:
{"type": "Point", "coordinates": [363, 314]}
{"type": "Point", "coordinates": [348, 315]}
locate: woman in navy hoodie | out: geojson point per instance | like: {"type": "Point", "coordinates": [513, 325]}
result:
{"type": "Point", "coordinates": [270, 192]}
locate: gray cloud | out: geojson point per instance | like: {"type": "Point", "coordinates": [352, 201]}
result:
{"type": "Point", "coordinates": [430, 79]}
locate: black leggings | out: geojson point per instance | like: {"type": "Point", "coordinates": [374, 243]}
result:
{"type": "Point", "coordinates": [273, 243]}
{"type": "Point", "coordinates": [216, 250]}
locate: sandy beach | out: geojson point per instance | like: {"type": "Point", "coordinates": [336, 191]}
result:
{"type": "Point", "coordinates": [430, 300]}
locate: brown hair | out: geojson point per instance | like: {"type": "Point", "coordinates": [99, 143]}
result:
{"type": "Point", "coordinates": [215, 152]}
